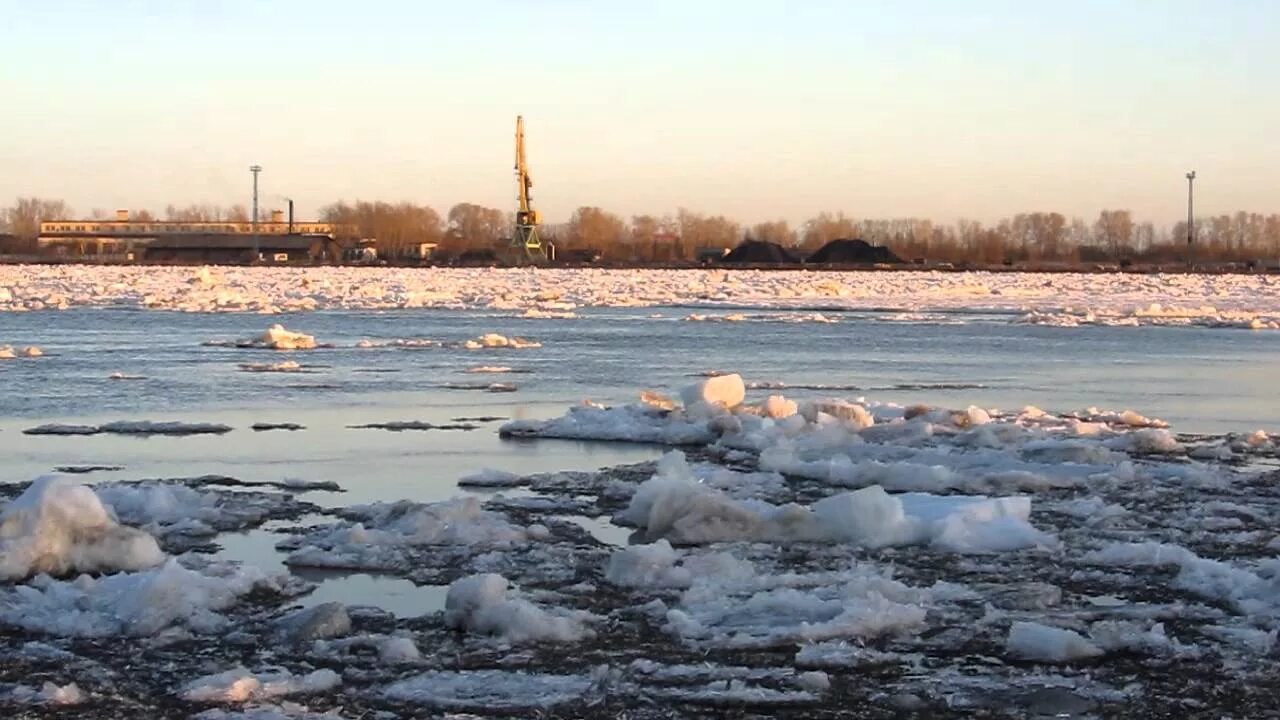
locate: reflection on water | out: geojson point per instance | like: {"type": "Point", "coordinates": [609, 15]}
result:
{"type": "Point", "coordinates": [602, 529]}
{"type": "Point", "coordinates": [395, 595]}
{"type": "Point", "coordinates": [254, 547]}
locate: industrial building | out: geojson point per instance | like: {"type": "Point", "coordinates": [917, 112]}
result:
{"type": "Point", "coordinates": [239, 250]}
{"type": "Point", "coordinates": [278, 240]}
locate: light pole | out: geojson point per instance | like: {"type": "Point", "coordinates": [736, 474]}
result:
{"type": "Point", "coordinates": [255, 169]}
{"type": "Point", "coordinates": [1191, 218]}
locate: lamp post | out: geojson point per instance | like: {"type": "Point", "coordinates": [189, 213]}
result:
{"type": "Point", "coordinates": [255, 169]}
{"type": "Point", "coordinates": [1191, 219]}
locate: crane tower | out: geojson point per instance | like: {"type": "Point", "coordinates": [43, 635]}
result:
{"type": "Point", "coordinates": [525, 245]}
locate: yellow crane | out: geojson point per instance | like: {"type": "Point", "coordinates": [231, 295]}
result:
{"type": "Point", "coordinates": [525, 244]}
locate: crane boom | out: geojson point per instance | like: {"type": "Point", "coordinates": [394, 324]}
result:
{"type": "Point", "coordinates": [525, 182]}
{"type": "Point", "coordinates": [526, 238]}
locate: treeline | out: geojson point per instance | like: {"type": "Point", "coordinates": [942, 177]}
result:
{"type": "Point", "coordinates": [1046, 237]}
{"type": "Point", "coordinates": [1026, 237]}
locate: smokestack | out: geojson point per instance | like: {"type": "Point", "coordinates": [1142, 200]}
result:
{"type": "Point", "coordinates": [290, 217]}
{"type": "Point", "coordinates": [122, 216]}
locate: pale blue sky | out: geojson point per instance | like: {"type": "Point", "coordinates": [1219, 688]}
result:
{"type": "Point", "coordinates": [757, 110]}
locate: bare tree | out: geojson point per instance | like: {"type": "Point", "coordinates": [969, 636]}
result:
{"type": "Point", "coordinates": [700, 232]}
{"type": "Point", "coordinates": [1114, 229]}
{"type": "Point", "coordinates": [825, 227]}
{"type": "Point", "coordinates": [775, 231]}
{"type": "Point", "coordinates": [399, 229]}
{"type": "Point", "coordinates": [23, 219]}
{"type": "Point", "coordinates": [595, 229]}
{"type": "Point", "coordinates": [644, 233]}
{"type": "Point", "coordinates": [475, 226]}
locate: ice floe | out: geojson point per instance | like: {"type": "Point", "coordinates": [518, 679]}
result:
{"type": "Point", "coordinates": [402, 425]}
{"type": "Point", "coordinates": [482, 604]}
{"type": "Point", "coordinates": [631, 423]}
{"type": "Point", "coordinates": [275, 337]}
{"type": "Point", "coordinates": [490, 477]}
{"type": "Point", "coordinates": [492, 690]}
{"type": "Point", "coordinates": [287, 366]}
{"type": "Point", "coordinates": [483, 387]}
{"type": "Point", "coordinates": [58, 526]}
{"type": "Point", "coordinates": [137, 604]}
{"type": "Point", "coordinates": [48, 694]}
{"type": "Point", "coordinates": [494, 340]}
{"type": "Point", "coordinates": [1044, 643]}
{"type": "Point", "coordinates": [387, 536]}
{"type": "Point", "coordinates": [8, 352]}
{"type": "Point", "coordinates": [321, 622]}
{"type": "Point", "coordinates": [762, 610]}
{"type": "Point", "coordinates": [131, 427]}
{"type": "Point", "coordinates": [675, 505]}
{"type": "Point", "coordinates": [239, 685]}
{"type": "Point", "coordinates": [265, 426]}
{"type": "Point", "coordinates": [170, 508]}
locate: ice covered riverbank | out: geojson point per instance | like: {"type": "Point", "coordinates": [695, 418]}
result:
{"type": "Point", "coordinates": [1247, 301]}
{"type": "Point", "coordinates": [797, 558]}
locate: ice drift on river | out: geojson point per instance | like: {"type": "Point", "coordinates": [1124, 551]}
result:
{"type": "Point", "coordinates": [58, 526]}
{"type": "Point", "coordinates": [1052, 299]}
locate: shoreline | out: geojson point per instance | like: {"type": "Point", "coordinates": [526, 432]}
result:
{"type": "Point", "coordinates": [1056, 269]}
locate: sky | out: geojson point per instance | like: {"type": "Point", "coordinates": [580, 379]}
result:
{"type": "Point", "coordinates": [754, 109]}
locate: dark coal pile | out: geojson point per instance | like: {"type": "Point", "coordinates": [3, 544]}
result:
{"type": "Point", "coordinates": [480, 256]}
{"type": "Point", "coordinates": [852, 252]}
{"type": "Point", "coordinates": [759, 252]}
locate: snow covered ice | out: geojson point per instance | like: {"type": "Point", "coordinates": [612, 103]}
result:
{"type": "Point", "coordinates": [1061, 299]}
{"type": "Point", "coordinates": [675, 505]}
{"type": "Point", "coordinates": [276, 337]}
{"type": "Point", "coordinates": [481, 604]}
{"type": "Point", "coordinates": [8, 352]}
{"type": "Point", "coordinates": [394, 536]}
{"type": "Point", "coordinates": [58, 527]}
{"type": "Point", "coordinates": [239, 685]}
{"type": "Point", "coordinates": [494, 340]}
{"type": "Point", "coordinates": [139, 604]}
{"type": "Point", "coordinates": [1033, 641]}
